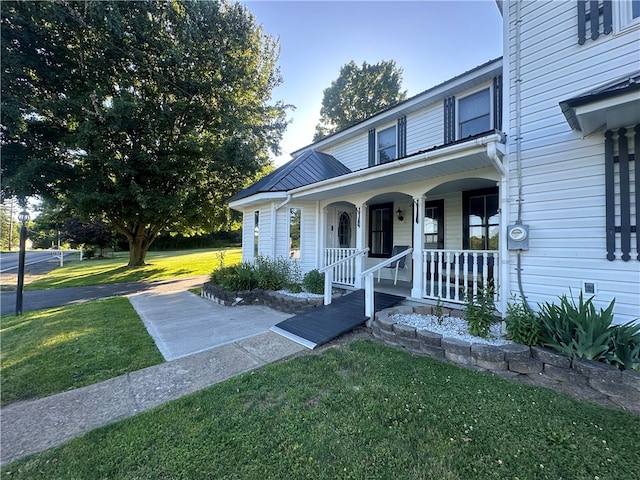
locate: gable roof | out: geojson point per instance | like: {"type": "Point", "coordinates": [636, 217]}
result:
{"type": "Point", "coordinates": [308, 168]}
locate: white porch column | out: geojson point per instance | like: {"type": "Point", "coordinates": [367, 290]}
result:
{"type": "Point", "coordinates": [418, 245]}
{"type": "Point", "coordinates": [361, 241]}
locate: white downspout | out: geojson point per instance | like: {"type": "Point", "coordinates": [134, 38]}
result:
{"type": "Point", "coordinates": [518, 139]}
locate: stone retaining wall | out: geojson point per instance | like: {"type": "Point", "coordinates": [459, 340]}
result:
{"type": "Point", "coordinates": [277, 301]}
{"type": "Point", "coordinates": [585, 379]}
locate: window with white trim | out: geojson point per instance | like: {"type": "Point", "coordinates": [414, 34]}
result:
{"type": "Point", "coordinates": [474, 113]}
{"type": "Point", "coordinates": [626, 15]}
{"type": "Point", "coordinates": [387, 145]}
{"type": "Point", "coordinates": [295, 218]}
{"type": "Point", "coordinates": [256, 232]}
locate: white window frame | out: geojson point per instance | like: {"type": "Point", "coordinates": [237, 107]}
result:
{"type": "Point", "coordinates": [395, 133]}
{"type": "Point", "coordinates": [623, 17]}
{"type": "Point", "coordinates": [301, 210]}
{"type": "Point", "coordinates": [256, 233]}
{"type": "Point", "coordinates": [468, 94]}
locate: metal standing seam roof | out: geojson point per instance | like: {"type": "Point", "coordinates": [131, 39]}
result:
{"type": "Point", "coordinates": [308, 168]}
{"type": "Point", "coordinates": [628, 83]}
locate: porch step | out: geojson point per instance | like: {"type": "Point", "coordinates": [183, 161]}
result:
{"type": "Point", "coordinates": [319, 325]}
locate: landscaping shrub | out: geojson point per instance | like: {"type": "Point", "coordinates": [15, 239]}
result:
{"type": "Point", "coordinates": [523, 325]}
{"type": "Point", "coordinates": [265, 273]}
{"type": "Point", "coordinates": [580, 331]}
{"type": "Point", "coordinates": [625, 346]}
{"type": "Point", "coordinates": [313, 282]}
{"type": "Point", "coordinates": [577, 330]}
{"type": "Point", "coordinates": [479, 312]}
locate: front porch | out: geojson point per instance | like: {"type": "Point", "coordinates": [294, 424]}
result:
{"type": "Point", "coordinates": [446, 276]}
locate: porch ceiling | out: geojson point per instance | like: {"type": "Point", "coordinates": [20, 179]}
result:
{"type": "Point", "coordinates": [419, 167]}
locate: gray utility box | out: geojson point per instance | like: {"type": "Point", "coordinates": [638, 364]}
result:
{"type": "Point", "coordinates": [518, 237]}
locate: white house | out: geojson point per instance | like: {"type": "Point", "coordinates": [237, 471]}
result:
{"type": "Point", "coordinates": [519, 174]}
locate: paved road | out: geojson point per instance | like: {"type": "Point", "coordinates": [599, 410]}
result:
{"type": "Point", "coordinates": [38, 299]}
{"type": "Point", "coordinates": [9, 261]}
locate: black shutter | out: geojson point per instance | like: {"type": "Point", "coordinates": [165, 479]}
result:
{"type": "Point", "coordinates": [607, 18]}
{"type": "Point", "coordinates": [592, 18]}
{"type": "Point", "coordinates": [582, 18]}
{"type": "Point", "coordinates": [610, 196]}
{"type": "Point", "coordinates": [625, 202]}
{"type": "Point", "coordinates": [636, 150]}
{"type": "Point", "coordinates": [497, 102]}
{"type": "Point", "coordinates": [449, 120]}
{"type": "Point", "coordinates": [372, 147]}
{"type": "Point", "coordinates": [621, 223]}
{"type": "Point", "coordinates": [401, 131]}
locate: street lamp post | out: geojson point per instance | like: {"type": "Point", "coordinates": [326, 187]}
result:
{"type": "Point", "coordinates": [23, 216]}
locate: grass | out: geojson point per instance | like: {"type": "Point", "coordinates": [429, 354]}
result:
{"type": "Point", "coordinates": [53, 350]}
{"type": "Point", "coordinates": [364, 411]}
{"type": "Point", "coordinates": [161, 266]}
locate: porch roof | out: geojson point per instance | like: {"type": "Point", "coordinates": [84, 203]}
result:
{"type": "Point", "coordinates": [485, 150]}
{"type": "Point", "coordinates": [610, 106]}
{"type": "Point", "coordinates": [311, 167]}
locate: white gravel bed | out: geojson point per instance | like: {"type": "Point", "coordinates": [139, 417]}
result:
{"type": "Point", "coordinates": [300, 294]}
{"type": "Point", "coordinates": [452, 327]}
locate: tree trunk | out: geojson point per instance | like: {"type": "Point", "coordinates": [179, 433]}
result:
{"type": "Point", "coordinates": [140, 238]}
{"type": "Point", "coordinates": [137, 252]}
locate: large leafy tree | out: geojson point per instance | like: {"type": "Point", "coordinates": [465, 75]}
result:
{"type": "Point", "coordinates": [148, 114]}
{"type": "Point", "coordinates": [358, 93]}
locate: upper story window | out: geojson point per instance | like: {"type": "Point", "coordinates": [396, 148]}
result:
{"type": "Point", "coordinates": [474, 114]}
{"type": "Point", "coordinates": [626, 15]}
{"type": "Point", "coordinates": [387, 145]}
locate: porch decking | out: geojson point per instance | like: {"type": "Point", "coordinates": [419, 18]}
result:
{"type": "Point", "coordinates": [321, 324]}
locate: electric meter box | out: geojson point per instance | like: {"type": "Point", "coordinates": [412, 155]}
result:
{"type": "Point", "coordinates": [518, 237]}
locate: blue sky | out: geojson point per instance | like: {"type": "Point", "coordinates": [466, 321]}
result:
{"type": "Point", "coordinates": [431, 41]}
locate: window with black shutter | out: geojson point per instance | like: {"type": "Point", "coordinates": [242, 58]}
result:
{"type": "Point", "coordinates": [389, 143]}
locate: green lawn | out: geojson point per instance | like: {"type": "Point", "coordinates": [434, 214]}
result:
{"type": "Point", "coordinates": [364, 411]}
{"type": "Point", "coordinates": [53, 350]}
{"type": "Point", "coordinates": [161, 266]}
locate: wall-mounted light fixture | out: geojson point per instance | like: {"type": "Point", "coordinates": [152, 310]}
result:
{"type": "Point", "coordinates": [399, 215]}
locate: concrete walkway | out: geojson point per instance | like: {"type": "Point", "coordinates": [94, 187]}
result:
{"type": "Point", "coordinates": [205, 343]}
{"type": "Point", "coordinates": [183, 324]}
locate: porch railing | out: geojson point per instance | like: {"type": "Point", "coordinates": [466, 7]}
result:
{"type": "Point", "coordinates": [451, 275]}
{"type": "Point", "coordinates": [340, 268]}
{"type": "Point", "coordinates": [368, 280]}
{"type": "Point", "coordinates": [343, 261]}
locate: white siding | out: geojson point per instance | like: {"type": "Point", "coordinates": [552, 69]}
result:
{"type": "Point", "coordinates": [353, 153]}
{"type": "Point", "coordinates": [425, 128]}
{"type": "Point", "coordinates": [562, 172]}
